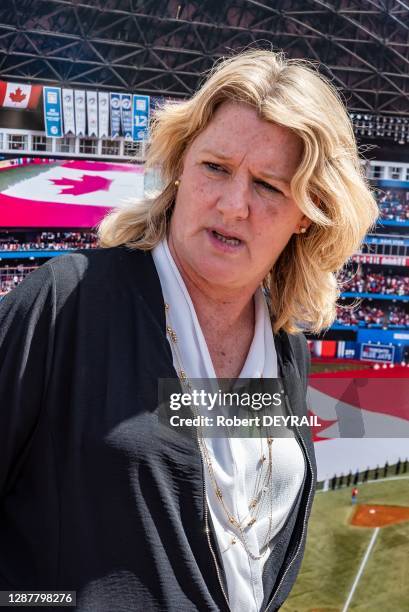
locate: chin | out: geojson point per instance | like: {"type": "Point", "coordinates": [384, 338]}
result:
{"type": "Point", "coordinates": [219, 274]}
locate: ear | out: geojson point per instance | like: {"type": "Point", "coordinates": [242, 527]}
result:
{"type": "Point", "coordinates": [302, 225]}
{"type": "Point", "coordinates": [305, 221]}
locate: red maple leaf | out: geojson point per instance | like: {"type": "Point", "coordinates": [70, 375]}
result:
{"type": "Point", "coordinates": [87, 183]}
{"type": "Point", "coordinates": [323, 424]}
{"type": "Point", "coordinates": [18, 95]}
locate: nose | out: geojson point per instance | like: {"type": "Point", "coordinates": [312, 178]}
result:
{"type": "Point", "coordinates": [233, 202]}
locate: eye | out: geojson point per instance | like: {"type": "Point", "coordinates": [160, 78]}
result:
{"type": "Point", "coordinates": [268, 187]}
{"type": "Point", "coordinates": [213, 167]}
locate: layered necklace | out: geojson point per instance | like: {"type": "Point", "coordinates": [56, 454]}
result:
{"type": "Point", "coordinates": [262, 491]}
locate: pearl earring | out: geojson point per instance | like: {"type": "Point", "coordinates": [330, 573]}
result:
{"type": "Point", "coordinates": [303, 230]}
{"type": "Point", "coordinates": [177, 183]}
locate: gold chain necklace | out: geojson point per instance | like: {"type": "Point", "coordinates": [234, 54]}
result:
{"type": "Point", "coordinates": [259, 493]}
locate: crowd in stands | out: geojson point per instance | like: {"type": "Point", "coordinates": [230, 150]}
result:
{"type": "Point", "coordinates": [49, 240]}
{"type": "Point", "coordinates": [372, 315]}
{"type": "Point", "coordinates": [394, 205]}
{"type": "Point", "coordinates": [374, 282]}
{"type": "Point", "coordinates": [398, 316]}
{"type": "Point", "coordinates": [369, 315]}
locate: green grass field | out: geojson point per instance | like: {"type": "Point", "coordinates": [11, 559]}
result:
{"type": "Point", "coordinates": [337, 367]}
{"type": "Point", "coordinates": [335, 550]}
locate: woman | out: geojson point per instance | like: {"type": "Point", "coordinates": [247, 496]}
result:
{"type": "Point", "coordinates": [262, 187]}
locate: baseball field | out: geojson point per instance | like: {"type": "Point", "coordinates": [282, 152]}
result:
{"type": "Point", "coordinates": [357, 557]}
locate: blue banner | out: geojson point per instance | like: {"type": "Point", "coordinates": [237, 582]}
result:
{"type": "Point", "coordinates": [387, 241]}
{"type": "Point", "coordinates": [377, 352]}
{"type": "Point", "coordinates": [376, 296]}
{"type": "Point", "coordinates": [392, 184]}
{"type": "Point", "coordinates": [388, 223]}
{"type": "Point", "coordinates": [115, 104]}
{"type": "Point", "coordinates": [52, 112]}
{"type": "Point", "coordinates": [140, 117]}
{"type": "Point", "coordinates": [157, 102]}
{"type": "Point", "coordinates": [384, 336]}
{"type": "Point", "coordinates": [126, 116]}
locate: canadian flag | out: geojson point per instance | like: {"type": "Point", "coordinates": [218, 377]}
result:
{"type": "Point", "coordinates": [18, 95]}
{"type": "Point", "coordinates": [75, 193]}
{"type": "Point", "coordinates": [362, 419]}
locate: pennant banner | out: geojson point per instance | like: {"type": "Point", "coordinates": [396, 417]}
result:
{"type": "Point", "coordinates": [140, 117]}
{"type": "Point", "coordinates": [53, 112]}
{"type": "Point", "coordinates": [79, 97]}
{"type": "Point", "coordinates": [126, 116]}
{"type": "Point", "coordinates": [115, 99]}
{"type": "Point", "coordinates": [68, 111]}
{"type": "Point", "coordinates": [157, 102]}
{"type": "Point", "coordinates": [103, 114]}
{"type": "Point", "coordinates": [17, 95]}
{"type": "Point", "coordinates": [92, 113]}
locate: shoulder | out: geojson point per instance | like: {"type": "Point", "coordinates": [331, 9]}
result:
{"type": "Point", "coordinates": [100, 269]}
{"type": "Point", "coordinates": [84, 262]}
{"type": "Point", "coordinates": [28, 299]}
{"type": "Point", "coordinates": [106, 281]}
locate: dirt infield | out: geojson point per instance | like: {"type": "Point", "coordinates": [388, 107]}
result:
{"type": "Point", "coordinates": [373, 515]}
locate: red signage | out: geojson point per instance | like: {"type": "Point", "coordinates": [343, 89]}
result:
{"type": "Point", "coordinates": [383, 260]}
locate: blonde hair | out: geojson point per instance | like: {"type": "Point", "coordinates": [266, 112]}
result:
{"type": "Point", "coordinates": [329, 186]}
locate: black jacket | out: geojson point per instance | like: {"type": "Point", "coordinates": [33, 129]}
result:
{"type": "Point", "coordinates": [94, 496]}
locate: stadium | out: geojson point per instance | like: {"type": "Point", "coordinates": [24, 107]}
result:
{"type": "Point", "coordinates": [79, 81]}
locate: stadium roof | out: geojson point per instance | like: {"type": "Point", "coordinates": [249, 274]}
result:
{"type": "Point", "coordinates": [161, 47]}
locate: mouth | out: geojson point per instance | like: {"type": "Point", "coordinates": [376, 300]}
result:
{"type": "Point", "coordinates": [231, 241]}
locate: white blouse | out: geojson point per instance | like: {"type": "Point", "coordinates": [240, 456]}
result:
{"type": "Point", "coordinates": [235, 460]}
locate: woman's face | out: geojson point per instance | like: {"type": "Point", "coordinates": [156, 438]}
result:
{"type": "Point", "coordinates": [234, 213]}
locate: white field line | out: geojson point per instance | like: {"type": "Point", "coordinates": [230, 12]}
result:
{"type": "Point", "coordinates": [361, 568]}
